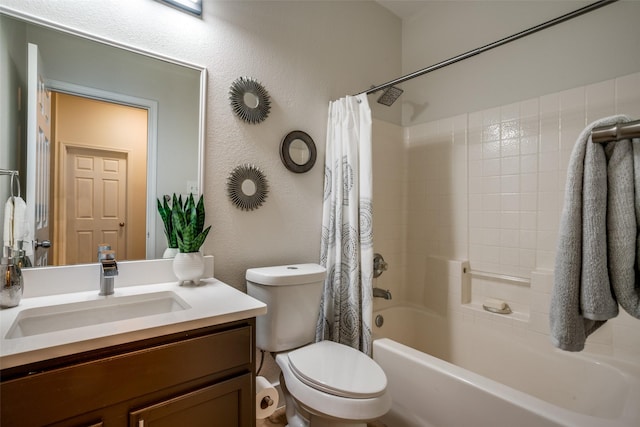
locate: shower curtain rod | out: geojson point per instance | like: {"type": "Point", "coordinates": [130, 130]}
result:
{"type": "Point", "coordinates": [489, 46]}
{"type": "Point", "coordinates": [616, 132]}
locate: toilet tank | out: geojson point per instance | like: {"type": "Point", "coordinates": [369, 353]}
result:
{"type": "Point", "coordinates": [292, 294]}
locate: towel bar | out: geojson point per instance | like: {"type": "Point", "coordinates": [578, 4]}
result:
{"type": "Point", "coordinates": [616, 132]}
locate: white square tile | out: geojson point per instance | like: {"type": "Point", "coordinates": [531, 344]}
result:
{"type": "Point", "coordinates": [509, 165]}
{"type": "Point", "coordinates": [528, 182]}
{"type": "Point", "coordinates": [491, 167]}
{"type": "Point", "coordinates": [510, 238]}
{"type": "Point", "coordinates": [491, 149]}
{"type": "Point", "coordinates": [528, 220]}
{"type": "Point", "coordinates": [491, 219]}
{"type": "Point", "coordinates": [510, 183]}
{"type": "Point", "coordinates": [528, 239]}
{"type": "Point", "coordinates": [529, 144]}
{"type": "Point", "coordinates": [529, 108]}
{"type": "Point", "coordinates": [528, 163]}
{"type": "Point", "coordinates": [509, 147]}
{"type": "Point", "coordinates": [491, 117]}
{"type": "Point", "coordinates": [510, 201]}
{"type": "Point", "coordinates": [548, 181]}
{"type": "Point", "coordinates": [510, 129]}
{"type": "Point", "coordinates": [491, 202]}
{"type": "Point", "coordinates": [510, 112]}
{"type": "Point", "coordinates": [548, 161]}
{"type": "Point", "coordinates": [510, 220]}
{"type": "Point", "coordinates": [490, 184]}
{"type": "Point", "coordinates": [528, 201]}
{"type": "Point", "coordinates": [527, 258]}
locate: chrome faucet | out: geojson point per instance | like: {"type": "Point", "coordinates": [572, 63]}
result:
{"type": "Point", "coordinates": [108, 268]}
{"type": "Point", "coordinates": [381, 293]}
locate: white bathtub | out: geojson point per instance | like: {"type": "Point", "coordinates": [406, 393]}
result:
{"type": "Point", "coordinates": [511, 383]}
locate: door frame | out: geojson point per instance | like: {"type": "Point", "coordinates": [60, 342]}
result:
{"type": "Point", "coordinates": [152, 143]}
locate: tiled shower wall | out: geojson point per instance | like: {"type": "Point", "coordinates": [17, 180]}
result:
{"type": "Point", "coordinates": [488, 187]}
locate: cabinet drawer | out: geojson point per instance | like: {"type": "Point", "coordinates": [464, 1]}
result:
{"type": "Point", "coordinates": [64, 392]}
{"type": "Point", "coordinates": [226, 404]}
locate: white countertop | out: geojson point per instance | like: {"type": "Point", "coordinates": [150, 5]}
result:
{"type": "Point", "coordinates": [211, 303]}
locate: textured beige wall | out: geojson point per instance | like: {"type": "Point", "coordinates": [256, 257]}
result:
{"type": "Point", "coordinates": [304, 53]}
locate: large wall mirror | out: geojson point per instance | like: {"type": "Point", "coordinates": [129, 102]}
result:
{"type": "Point", "coordinates": [126, 127]}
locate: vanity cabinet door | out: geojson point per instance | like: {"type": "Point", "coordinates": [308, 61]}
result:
{"type": "Point", "coordinates": [226, 404]}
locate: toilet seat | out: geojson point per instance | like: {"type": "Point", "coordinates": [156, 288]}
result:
{"type": "Point", "coordinates": [327, 403]}
{"type": "Point", "coordinates": [338, 369]}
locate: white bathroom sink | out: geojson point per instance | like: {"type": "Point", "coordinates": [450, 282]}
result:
{"type": "Point", "coordinates": [55, 318]}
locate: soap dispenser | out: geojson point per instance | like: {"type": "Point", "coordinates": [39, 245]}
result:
{"type": "Point", "coordinates": [11, 281]}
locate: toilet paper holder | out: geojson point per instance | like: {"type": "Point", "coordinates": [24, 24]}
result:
{"type": "Point", "coordinates": [266, 402]}
{"type": "Point", "coordinates": [266, 398]}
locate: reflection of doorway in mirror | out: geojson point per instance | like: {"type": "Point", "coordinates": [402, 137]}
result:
{"type": "Point", "coordinates": [109, 134]}
{"type": "Point", "coordinates": [96, 197]}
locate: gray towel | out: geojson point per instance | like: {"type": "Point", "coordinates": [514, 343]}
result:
{"type": "Point", "coordinates": [598, 240]}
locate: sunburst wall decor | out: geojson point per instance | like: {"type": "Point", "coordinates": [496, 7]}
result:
{"type": "Point", "coordinates": [247, 187]}
{"type": "Point", "coordinates": [249, 100]}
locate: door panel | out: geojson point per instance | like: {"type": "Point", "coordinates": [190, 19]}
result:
{"type": "Point", "coordinates": [96, 182]}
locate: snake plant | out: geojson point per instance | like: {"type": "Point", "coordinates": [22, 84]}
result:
{"type": "Point", "coordinates": [165, 213]}
{"type": "Point", "coordinates": [188, 223]}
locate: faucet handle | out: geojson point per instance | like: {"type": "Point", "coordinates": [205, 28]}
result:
{"type": "Point", "coordinates": [106, 255]}
{"type": "Point", "coordinates": [101, 248]}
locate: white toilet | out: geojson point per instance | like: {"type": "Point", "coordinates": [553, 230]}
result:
{"type": "Point", "coordinates": [325, 383]}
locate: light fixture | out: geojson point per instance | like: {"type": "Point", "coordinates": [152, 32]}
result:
{"type": "Point", "coordinates": [191, 6]}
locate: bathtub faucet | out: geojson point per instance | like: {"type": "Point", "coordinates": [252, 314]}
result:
{"type": "Point", "coordinates": [381, 293]}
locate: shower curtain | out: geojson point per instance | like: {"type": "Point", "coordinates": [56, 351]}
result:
{"type": "Point", "coordinates": [347, 233]}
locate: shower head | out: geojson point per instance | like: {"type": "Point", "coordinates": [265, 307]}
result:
{"type": "Point", "coordinates": [390, 95]}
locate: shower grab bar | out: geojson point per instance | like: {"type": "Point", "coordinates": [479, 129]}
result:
{"type": "Point", "coordinates": [495, 276]}
{"type": "Point", "coordinates": [615, 132]}
{"type": "Point", "coordinates": [469, 54]}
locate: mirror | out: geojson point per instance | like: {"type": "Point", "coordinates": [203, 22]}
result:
{"type": "Point", "coordinates": [170, 92]}
{"type": "Point", "coordinates": [298, 152]}
{"type": "Point", "coordinates": [249, 100]}
{"type": "Point", "coordinates": [247, 187]}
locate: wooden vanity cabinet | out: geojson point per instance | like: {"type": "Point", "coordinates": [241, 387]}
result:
{"type": "Point", "coordinates": [202, 377]}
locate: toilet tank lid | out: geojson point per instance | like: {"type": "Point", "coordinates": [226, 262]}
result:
{"type": "Point", "coordinates": [282, 275]}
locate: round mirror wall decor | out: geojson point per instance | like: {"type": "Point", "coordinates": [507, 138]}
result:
{"type": "Point", "coordinates": [298, 151]}
{"type": "Point", "coordinates": [247, 187]}
{"type": "Point", "coordinates": [249, 100]}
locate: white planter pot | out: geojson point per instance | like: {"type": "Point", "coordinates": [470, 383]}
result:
{"type": "Point", "coordinates": [188, 268]}
{"type": "Point", "coordinates": [170, 253]}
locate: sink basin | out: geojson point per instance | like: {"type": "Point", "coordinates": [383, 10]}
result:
{"type": "Point", "coordinates": [42, 320]}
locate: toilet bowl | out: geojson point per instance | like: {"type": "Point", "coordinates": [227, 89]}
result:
{"type": "Point", "coordinates": [325, 383]}
{"type": "Point", "coordinates": [334, 385]}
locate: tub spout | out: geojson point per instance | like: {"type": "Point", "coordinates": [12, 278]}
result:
{"type": "Point", "coordinates": [381, 293]}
